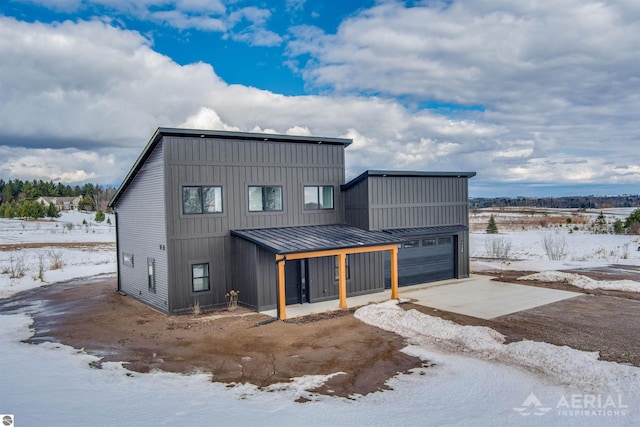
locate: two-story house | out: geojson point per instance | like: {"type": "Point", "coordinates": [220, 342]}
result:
{"type": "Point", "coordinates": [205, 212]}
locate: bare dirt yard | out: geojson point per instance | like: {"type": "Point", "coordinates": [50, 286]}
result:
{"type": "Point", "coordinates": [240, 346]}
{"type": "Point", "coordinates": [233, 347]}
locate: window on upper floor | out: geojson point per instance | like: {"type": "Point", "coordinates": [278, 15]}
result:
{"type": "Point", "coordinates": [201, 199]}
{"type": "Point", "coordinates": [318, 197]}
{"type": "Point", "coordinates": [265, 198]}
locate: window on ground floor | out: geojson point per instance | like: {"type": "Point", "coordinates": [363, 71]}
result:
{"type": "Point", "coordinates": [200, 277]}
{"type": "Point", "coordinates": [336, 270]}
{"type": "Point", "coordinates": [127, 259]}
{"type": "Point", "coordinates": [151, 274]}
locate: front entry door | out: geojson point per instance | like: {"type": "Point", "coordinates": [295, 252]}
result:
{"type": "Point", "coordinates": [295, 279]}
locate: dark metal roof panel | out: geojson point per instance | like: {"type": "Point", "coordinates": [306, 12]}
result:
{"type": "Point", "coordinates": [413, 174]}
{"type": "Point", "coordinates": [289, 240]}
{"type": "Point", "coordinates": [208, 133]}
{"type": "Point", "coordinates": [418, 231]}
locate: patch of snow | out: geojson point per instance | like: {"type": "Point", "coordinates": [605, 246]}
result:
{"type": "Point", "coordinates": [566, 366]}
{"type": "Point", "coordinates": [584, 282]}
{"type": "Point", "coordinates": [54, 384]}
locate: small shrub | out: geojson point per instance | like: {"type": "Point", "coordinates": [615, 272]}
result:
{"type": "Point", "coordinates": [15, 268]}
{"type": "Point", "coordinates": [196, 307]}
{"type": "Point", "coordinates": [498, 247]}
{"type": "Point", "coordinates": [56, 259]}
{"type": "Point", "coordinates": [555, 246]}
{"type": "Point", "coordinates": [232, 299]}
{"type": "Point", "coordinates": [41, 266]}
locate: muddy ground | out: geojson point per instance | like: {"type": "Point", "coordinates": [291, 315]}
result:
{"type": "Point", "coordinates": [236, 348]}
{"type": "Point", "coordinates": [232, 346]}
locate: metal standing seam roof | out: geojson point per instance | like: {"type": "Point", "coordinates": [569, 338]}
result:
{"type": "Point", "coordinates": [418, 231]}
{"type": "Point", "coordinates": [290, 240]}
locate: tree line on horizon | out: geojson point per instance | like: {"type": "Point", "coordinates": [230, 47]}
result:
{"type": "Point", "coordinates": [18, 198]}
{"type": "Point", "coordinates": [565, 202]}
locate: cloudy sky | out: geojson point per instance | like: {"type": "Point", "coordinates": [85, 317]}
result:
{"type": "Point", "coordinates": [539, 98]}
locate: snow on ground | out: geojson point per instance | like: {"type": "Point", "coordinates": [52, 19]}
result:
{"type": "Point", "coordinates": [475, 378]}
{"type": "Point", "coordinates": [96, 256]}
{"type": "Point", "coordinates": [527, 250]}
{"type": "Point", "coordinates": [62, 389]}
{"type": "Point", "coordinates": [69, 227]}
{"type": "Point", "coordinates": [583, 281]}
{"type": "Point", "coordinates": [563, 365]}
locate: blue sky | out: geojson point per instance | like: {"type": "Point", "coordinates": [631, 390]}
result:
{"type": "Point", "coordinates": [538, 98]}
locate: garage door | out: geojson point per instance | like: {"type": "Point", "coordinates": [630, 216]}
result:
{"type": "Point", "coordinates": [424, 259]}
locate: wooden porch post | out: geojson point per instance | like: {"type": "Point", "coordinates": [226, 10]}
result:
{"type": "Point", "coordinates": [394, 272]}
{"type": "Point", "coordinates": [282, 301]}
{"type": "Point", "coordinates": [342, 279]}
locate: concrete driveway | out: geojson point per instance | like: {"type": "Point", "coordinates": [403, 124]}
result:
{"type": "Point", "coordinates": [480, 297]}
{"type": "Point", "coordinates": [477, 296]}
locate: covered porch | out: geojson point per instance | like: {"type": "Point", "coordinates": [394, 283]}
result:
{"type": "Point", "coordinates": [310, 242]}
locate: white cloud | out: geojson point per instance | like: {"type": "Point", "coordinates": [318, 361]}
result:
{"type": "Point", "coordinates": [561, 75]}
{"type": "Point", "coordinates": [67, 165]}
{"type": "Point", "coordinates": [206, 118]}
{"type": "Point", "coordinates": [88, 89]}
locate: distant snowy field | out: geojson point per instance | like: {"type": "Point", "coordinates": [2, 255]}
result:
{"type": "Point", "coordinates": [581, 247]}
{"type": "Point", "coordinates": [94, 255]}
{"type": "Point", "coordinates": [477, 380]}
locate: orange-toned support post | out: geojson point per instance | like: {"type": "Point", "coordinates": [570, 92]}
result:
{"type": "Point", "coordinates": [282, 301]}
{"type": "Point", "coordinates": [394, 273]}
{"type": "Point", "coordinates": [342, 279]}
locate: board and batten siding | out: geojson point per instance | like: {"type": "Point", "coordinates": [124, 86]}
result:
{"type": "Point", "coordinates": [367, 273]}
{"type": "Point", "coordinates": [356, 201]}
{"type": "Point", "coordinates": [142, 233]}
{"type": "Point", "coordinates": [403, 202]}
{"type": "Point", "coordinates": [234, 165]}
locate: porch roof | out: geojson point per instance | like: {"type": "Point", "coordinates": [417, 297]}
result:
{"type": "Point", "coordinates": [314, 238]}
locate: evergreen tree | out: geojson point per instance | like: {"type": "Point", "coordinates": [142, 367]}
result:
{"type": "Point", "coordinates": [618, 226]}
{"type": "Point", "coordinates": [600, 224]}
{"type": "Point", "coordinates": [492, 227]}
{"type": "Point", "coordinates": [632, 223]}
{"type": "Point", "coordinates": [52, 211]}
{"type": "Point", "coordinates": [99, 216]}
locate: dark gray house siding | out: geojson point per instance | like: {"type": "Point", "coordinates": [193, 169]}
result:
{"type": "Point", "coordinates": [390, 200]}
{"type": "Point", "coordinates": [154, 229]}
{"type": "Point", "coordinates": [142, 234]}
{"type": "Point", "coordinates": [234, 165]}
